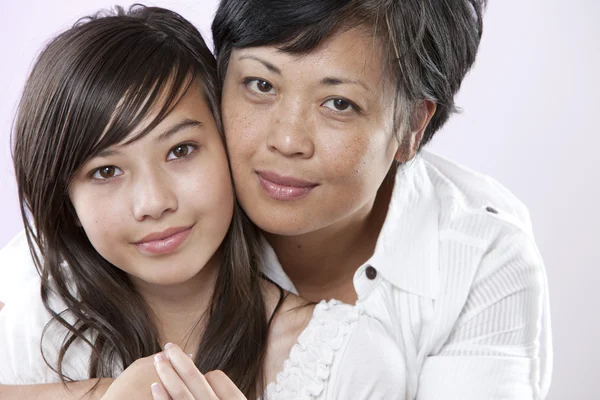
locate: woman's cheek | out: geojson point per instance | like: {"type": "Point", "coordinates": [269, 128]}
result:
{"type": "Point", "coordinates": [347, 154]}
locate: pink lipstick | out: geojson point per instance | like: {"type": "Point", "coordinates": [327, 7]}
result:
{"type": "Point", "coordinates": [284, 188]}
{"type": "Point", "coordinates": [164, 242]}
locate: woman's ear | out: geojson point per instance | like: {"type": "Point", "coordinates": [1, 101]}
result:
{"type": "Point", "coordinates": [411, 142]}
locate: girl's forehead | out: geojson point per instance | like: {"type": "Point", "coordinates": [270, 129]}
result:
{"type": "Point", "coordinates": [140, 110]}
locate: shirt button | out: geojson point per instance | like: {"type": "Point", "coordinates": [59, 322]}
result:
{"type": "Point", "coordinates": [371, 272]}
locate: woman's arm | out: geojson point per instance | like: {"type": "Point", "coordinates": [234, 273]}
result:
{"type": "Point", "coordinates": [497, 348]}
{"type": "Point", "coordinates": [56, 391]}
{"type": "Point", "coordinates": [23, 372]}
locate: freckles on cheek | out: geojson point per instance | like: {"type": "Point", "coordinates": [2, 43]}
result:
{"type": "Point", "coordinates": [244, 129]}
{"type": "Point", "coordinates": [350, 160]}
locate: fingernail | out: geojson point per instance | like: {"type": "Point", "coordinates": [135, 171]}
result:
{"type": "Point", "coordinates": [159, 358]}
{"type": "Point", "coordinates": [169, 345]}
{"type": "Point", "coordinates": [155, 388]}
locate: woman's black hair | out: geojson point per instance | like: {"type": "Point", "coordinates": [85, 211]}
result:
{"type": "Point", "coordinates": [428, 45]}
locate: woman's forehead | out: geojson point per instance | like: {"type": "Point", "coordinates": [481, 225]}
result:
{"type": "Point", "coordinates": [353, 54]}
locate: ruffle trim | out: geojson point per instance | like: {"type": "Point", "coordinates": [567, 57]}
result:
{"type": "Point", "coordinates": [306, 371]}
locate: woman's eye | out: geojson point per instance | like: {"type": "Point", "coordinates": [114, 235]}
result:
{"type": "Point", "coordinates": [180, 151]}
{"type": "Point", "coordinates": [260, 86]}
{"type": "Point", "coordinates": [107, 172]}
{"type": "Point", "coordinates": [340, 105]}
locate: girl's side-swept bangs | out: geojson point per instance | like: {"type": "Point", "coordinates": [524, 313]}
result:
{"type": "Point", "coordinates": [126, 75]}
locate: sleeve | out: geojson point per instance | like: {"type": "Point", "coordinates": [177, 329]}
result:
{"type": "Point", "coordinates": [500, 346]}
{"type": "Point", "coordinates": [371, 366]}
{"type": "Point", "coordinates": [16, 268]}
{"type": "Point", "coordinates": [22, 322]}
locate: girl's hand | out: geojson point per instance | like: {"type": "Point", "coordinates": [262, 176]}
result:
{"type": "Point", "coordinates": [135, 382]}
{"type": "Point", "coordinates": [181, 380]}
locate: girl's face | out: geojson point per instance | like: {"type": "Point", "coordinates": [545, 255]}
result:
{"type": "Point", "coordinates": [310, 137]}
{"type": "Point", "coordinates": [159, 208]}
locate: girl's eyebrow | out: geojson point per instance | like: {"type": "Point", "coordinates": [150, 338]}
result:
{"type": "Point", "coordinates": [106, 153]}
{"type": "Point", "coordinates": [185, 123]}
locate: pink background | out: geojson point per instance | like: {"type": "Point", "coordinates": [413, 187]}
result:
{"type": "Point", "coordinates": [530, 121]}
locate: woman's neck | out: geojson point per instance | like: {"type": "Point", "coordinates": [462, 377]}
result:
{"type": "Point", "coordinates": [321, 264]}
{"type": "Point", "coordinates": [178, 310]}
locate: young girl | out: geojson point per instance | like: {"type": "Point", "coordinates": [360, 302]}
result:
{"type": "Point", "coordinates": [131, 220]}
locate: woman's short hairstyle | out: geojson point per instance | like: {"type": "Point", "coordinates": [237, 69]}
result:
{"type": "Point", "coordinates": [428, 45]}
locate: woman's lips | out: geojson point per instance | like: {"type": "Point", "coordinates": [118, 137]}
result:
{"type": "Point", "coordinates": [284, 188]}
{"type": "Point", "coordinates": [164, 242]}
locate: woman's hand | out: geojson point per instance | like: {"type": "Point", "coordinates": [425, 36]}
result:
{"type": "Point", "coordinates": [135, 382]}
{"type": "Point", "coordinates": [181, 380]}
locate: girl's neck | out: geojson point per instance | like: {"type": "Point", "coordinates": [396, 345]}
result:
{"type": "Point", "coordinates": [178, 310]}
{"type": "Point", "coordinates": [321, 264]}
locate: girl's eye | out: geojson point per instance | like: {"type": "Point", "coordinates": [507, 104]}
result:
{"type": "Point", "coordinates": [260, 86]}
{"type": "Point", "coordinates": [180, 151]}
{"type": "Point", "coordinates": [340, 105]}
{"type": "Point", "coordinates": [107, 172]}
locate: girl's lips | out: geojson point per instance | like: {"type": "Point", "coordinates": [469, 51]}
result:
{"type": "Point", "coordinates": [163, 242]}
{"type": "Point", "coordinates": [284, 188]}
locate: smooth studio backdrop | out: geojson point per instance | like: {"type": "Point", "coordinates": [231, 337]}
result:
{"type": "Point", "coordinates": [530, 120]}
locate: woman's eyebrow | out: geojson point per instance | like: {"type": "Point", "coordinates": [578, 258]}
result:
{"type": "Point", "coordinates": [333, 81]}
{"type": "Point", "coordinates": [181, 125]}
{"type": "Point", "coordinates": [266, 64]}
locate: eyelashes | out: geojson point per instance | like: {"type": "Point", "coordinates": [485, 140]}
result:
{"type": "Point", "coordinates": [259, 86]}
{"type": "Point", "coordinates": [109, 172]}
{"type": "Point", "coordinates": [181, 151]}
{"type": "Point", "coordinates": [339, 105]}
{"type": "Point", "coordinates": [106, 172]}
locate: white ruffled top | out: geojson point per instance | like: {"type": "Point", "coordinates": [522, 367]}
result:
{"type": "Point", "coordinates": [341, 354]}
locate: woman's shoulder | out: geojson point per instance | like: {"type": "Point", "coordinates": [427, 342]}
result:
{"type": "Point", "coordinates": [24, 324]}
{"type": "Point", "coordinates": [17, 269]}
{"type": "Point", "coordinates": [461, 192]}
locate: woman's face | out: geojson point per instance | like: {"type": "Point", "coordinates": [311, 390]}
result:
{"type": "Point", "coordinates": [310, 137]}
{"type": "Point", "coordinates": [159, 208]}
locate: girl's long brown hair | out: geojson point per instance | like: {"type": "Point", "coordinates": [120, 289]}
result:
{"type": "Point", "coordinates": [90, 87]}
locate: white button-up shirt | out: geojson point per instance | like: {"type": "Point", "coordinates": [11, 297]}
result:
{"type": "Point", "coordinates": [458, 282]}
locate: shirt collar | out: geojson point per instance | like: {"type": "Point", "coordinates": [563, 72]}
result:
{"type": "Point", "coordinates": [406, 253]}
{"type": "Point", "coordinates": [273, 269]}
